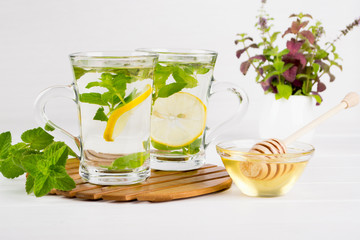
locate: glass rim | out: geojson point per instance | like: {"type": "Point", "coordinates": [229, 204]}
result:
{"type": "Point", "coordinates": [112, 54]}
{"type": "Point", "coordinates": [306, 150]}
{"type": "Point", "coordinates": [179, 51]}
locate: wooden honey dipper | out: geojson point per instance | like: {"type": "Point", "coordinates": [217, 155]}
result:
{"type": "Point", "coordinates": [267, 171]}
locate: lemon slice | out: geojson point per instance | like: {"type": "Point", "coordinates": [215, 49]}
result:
{"type": "Point", "coordinates": [118, 119]}
{"type": "Point", "coordinates": [178, 120]}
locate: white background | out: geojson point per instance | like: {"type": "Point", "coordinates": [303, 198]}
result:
{"type": "Point", "coordinates": [36, 38]}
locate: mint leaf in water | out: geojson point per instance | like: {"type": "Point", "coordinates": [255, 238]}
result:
{"type": "Point", "coordinates": [203, 70]}
{"type": "Point", "coordinates": [162, 73]}
{"type": "Point", "coordinates": [37, 138]}
{"type": "Point", "coordinates": [194, 147]}
{"type": "Point", "coordinates": [100, 115]}
{"type": "Point", "coordinates": [110, 98]}
{"type": "Point", "coordinates": [130, 161]}
{"type": "Point", "coordinates": [196, 68]}
{"type": "Point", "coordinates": [119, 84]}
{"type": "Point", "coordinates": [92, 98]}
{"type": "Point", "coordinates": [115, 81]}
{"type": "Point", "coordinates": [131, 96]}
{"type": "Point", "coordinates": [92, 84]}
{"type": "Point", "coordinates": [184, 74]}
{"type": "Point", "coordinates": [170, 89]}
{"type": "Point", "coordinates": [160, 146]}
{"type": "Point", "coordinates": [79, 72]}
{"type": "Point", "coordinates": [181, 76]}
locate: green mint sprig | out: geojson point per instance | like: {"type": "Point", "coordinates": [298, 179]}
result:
{"type": "Point", "coordinates": [38, 155]}
{"type": "Point", "coordinates": [113, 98]}
{"type": "Point", "coordinates": [183, 74]}
{"type": "Point", "coordinates": [115, 82]}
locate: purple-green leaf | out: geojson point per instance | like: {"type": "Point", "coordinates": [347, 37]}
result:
{"type": "Point", "coordinates": [243, 40]}
{"type": "Point", "coordinates": [241, 51]}
{"type": "Point", "coordinates": [295, 27]}
{"type": "Point", "coordinates": [259, 57]}
{"type": "Point", "coordinates": [267, 83]}
{"type": "Point", "coordinates": [317, 97]}
{"type": "Point", "coordinates": [295, 59]}
{"type": "Point", "coordinates": [321, 87]}
{"type": "Point", "coordinates": [324, 67]}
{"type": "Point", "coordinates": [308, 35]}
{"type": "Point", "coordinates": [297, 83]}
{"type": "Point", "coordinates": [290, 74]}
{"type": "Point", "coordinates": [244, 67]}
{"type": "Point", "coordinates": [293, 45]}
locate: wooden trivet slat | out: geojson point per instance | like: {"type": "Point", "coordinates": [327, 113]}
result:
{"type": "Point", "coordinates": [161, 186]}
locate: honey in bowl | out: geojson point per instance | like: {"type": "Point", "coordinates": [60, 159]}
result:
{"type": "Point", "coordinates": [264, 175]}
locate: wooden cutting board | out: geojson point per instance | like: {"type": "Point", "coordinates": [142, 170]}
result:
{"type": "Point", "coordinates": [161, 186]}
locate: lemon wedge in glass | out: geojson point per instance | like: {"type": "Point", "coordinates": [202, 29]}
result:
{"type": "Point", "coordinates": [118, 119]}
{"type": "Point", "coordinates": [178, 120]}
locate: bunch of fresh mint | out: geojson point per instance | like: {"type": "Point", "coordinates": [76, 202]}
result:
{"type": "Point", "coordinates": [40, 157]}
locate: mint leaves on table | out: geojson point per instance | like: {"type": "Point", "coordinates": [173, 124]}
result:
{"type": "Point", "coordinates": [40, 157]}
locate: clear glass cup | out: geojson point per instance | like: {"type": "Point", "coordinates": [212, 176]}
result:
{"type": "Point", "coordinates": [112, 91]}
{"type": "Point", "coordinates": [264, 175]}
{"type": "Point", "coordinates": [183, 84]}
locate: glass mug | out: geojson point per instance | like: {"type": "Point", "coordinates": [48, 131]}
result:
{"type": "Point", "coordinates": [112, 91]}
{"type": "Point", "coordinates": [183, 83]}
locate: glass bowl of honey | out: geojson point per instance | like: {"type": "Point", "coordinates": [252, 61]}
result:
{"type": "Point", "coordinates": [264, 175]}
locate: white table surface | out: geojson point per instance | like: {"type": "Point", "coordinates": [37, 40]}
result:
{"type": "Point", "coordinates": [324, 204]}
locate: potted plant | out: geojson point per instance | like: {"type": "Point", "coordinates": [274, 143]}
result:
{"type": "Point", "coordinates": [294, 74]}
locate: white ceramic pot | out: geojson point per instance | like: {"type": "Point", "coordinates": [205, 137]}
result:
{"type": "Point", "coordinates": [280, 118]}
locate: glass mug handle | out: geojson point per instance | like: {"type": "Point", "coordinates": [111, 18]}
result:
{"type": "Point", "coordinates": [60, 91]}
{"type": "Point", "coordinates": [226, 87]}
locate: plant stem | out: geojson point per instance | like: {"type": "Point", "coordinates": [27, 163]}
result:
{"type": "Point", "coordinates": [121, 98]}
{"type": "Point", "coordinates": [252, 64]}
